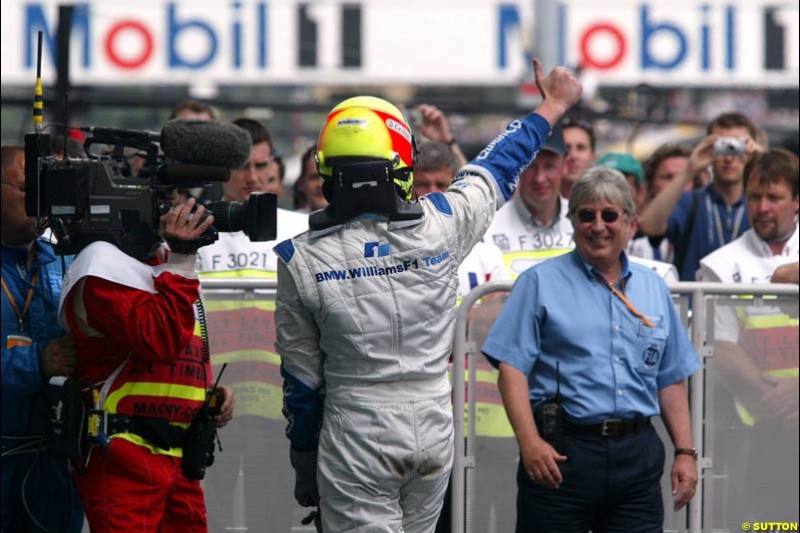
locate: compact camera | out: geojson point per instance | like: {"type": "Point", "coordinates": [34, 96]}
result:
{"type": "Point", "coordinates": [729, 146]}
{"type": "Point", "coordinates": [415, 117]}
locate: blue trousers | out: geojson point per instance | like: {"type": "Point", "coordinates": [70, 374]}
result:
{"type": "Point", "coordinates": [611, 484]}
{"type": "Point", "coordinates": [38, 495]}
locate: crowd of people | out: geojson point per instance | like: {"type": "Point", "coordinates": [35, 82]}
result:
{"type": "Point", "coordinates": [389, 228]}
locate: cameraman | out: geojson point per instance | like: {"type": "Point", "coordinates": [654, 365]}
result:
{"type": "Point", "coordinates": [134, 322]}
{"type": "Point", "coordinates": [700, 221]}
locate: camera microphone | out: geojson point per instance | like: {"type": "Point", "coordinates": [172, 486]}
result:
{"type": "Point", "coordinates": [120, 136]}
{"type": "Point", "coordinates": [189, 175]}
{"type": "Point", "coordinates": [206, 142]}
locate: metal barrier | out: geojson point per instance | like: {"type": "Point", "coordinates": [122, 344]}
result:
{"type": "Point", "coordinates": [251, 487]}
{"type": "Point", "coordinates": [702, 514]}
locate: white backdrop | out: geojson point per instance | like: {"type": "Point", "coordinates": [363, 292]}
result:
{"type": "Point", "coordinates": [477, 42]}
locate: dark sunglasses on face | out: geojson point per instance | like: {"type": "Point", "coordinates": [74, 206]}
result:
{"type": "Point", "coordinates": [608, 215]}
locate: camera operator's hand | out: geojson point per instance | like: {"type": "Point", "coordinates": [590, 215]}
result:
{"type": "Point", "coordinates": [226, 409]}
{"type": "Point", "coordinates": [751, 149]}
{"type": "Point", "coordinates": [184, 224]}
{"type": "Point", "coordinates": [702, 155]}
{"type": "Point", "coordinates": [60, 357]}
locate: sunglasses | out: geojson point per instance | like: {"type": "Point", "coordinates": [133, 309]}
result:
{"type": "Point", "coordinates": [608, 215]}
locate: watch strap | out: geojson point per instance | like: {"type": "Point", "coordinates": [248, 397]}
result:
{"type": "Point", "coordinates": [686, 451]}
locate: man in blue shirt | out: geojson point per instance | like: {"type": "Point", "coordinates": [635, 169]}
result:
{"type": "Point", "coordinates": [38, 492]}
{"type": "Point", "coordinates": [598, 339]}
{"type": "Point", "coordinates": [698, 222]}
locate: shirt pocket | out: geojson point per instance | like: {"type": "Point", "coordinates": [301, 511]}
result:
{"type": "Point", "coordinates": [650, 346]}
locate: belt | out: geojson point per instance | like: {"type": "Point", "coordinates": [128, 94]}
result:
{"type": "Point", "coordinates": [613, 427]}
{"type": "Point", "coordinates": [157, 431]}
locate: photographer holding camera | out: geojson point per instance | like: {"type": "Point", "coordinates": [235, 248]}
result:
{"type": "Point", "coordinates": [135, 325]}
{"type": "Point", "coordinates": [700, 221]}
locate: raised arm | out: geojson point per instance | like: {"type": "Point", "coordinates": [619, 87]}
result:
{"type": "Point", "coordinates": [512, 151]}
{"type": "Point", "coordinates": [436, 128]}
{"type": "Point", "coordinates": [560, 90]}
{"type": "Point", "coordinates": [655, 217]}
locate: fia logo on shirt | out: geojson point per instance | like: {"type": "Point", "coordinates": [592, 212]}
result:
{"type": "Point", "coordinates": [376, 249]}
{"type": "Point", "coordinates": [651, 356]}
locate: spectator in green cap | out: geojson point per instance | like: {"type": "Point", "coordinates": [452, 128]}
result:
{"type": "Point", "coordinates": [639, 244]}
{"type": "Point", "coordinates": [632, 170]}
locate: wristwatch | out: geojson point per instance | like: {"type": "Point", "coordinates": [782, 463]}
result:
{"type": "Point", "coordinates": [686, 451]}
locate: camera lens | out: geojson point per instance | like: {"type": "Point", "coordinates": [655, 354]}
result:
{"type": "Point", "coordinates": [229, 216]}
{"type": "Point", "coordinates": [257, 217]}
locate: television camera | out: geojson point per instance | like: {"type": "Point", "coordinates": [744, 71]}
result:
{"type": "Point", "coordinates": [98, 198]}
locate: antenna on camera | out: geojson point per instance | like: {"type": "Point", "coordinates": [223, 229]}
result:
{"type": "Point", "coordinates": [66, 127]}
{"type": "Point", "coordinates": [38, 100]}
{"type": "Point", "coordinates": [37, 144]}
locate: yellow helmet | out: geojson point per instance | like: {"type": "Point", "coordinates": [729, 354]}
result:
{"type": "Point", "coordinates": [365, 127]}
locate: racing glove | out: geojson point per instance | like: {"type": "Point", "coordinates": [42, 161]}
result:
{"type": "Point", "coordinates": [305, 477]}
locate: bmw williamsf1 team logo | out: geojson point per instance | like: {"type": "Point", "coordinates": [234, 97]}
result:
{"type": "Point", "coordinates": [376, 249]}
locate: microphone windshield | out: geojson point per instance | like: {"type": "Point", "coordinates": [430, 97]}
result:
{"type": "Point", "coordinates": [193, 175]}
{"type": "Point", "coordinates": [206, 142]}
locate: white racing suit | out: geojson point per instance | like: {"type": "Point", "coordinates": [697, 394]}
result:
{"type": "Point", "coordinates": [365, 316]}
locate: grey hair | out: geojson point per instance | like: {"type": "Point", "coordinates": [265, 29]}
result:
{"type": "Point", "coordinates": [435, 155]}
{"type": "Point", "coordinates": [601, 183]}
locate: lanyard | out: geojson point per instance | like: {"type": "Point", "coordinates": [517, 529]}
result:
{"type": "Point", "coordinates": [28, 297]}
{"type": "Point", "coordinates": [628, 304]}
{"type": "Point", "coordinates": [715, 222]}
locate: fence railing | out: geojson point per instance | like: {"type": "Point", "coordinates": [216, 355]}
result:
{"type": "Point", "coordinates": [699, 320]}
{"type": "Point", "coordinates": [253, 476]}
